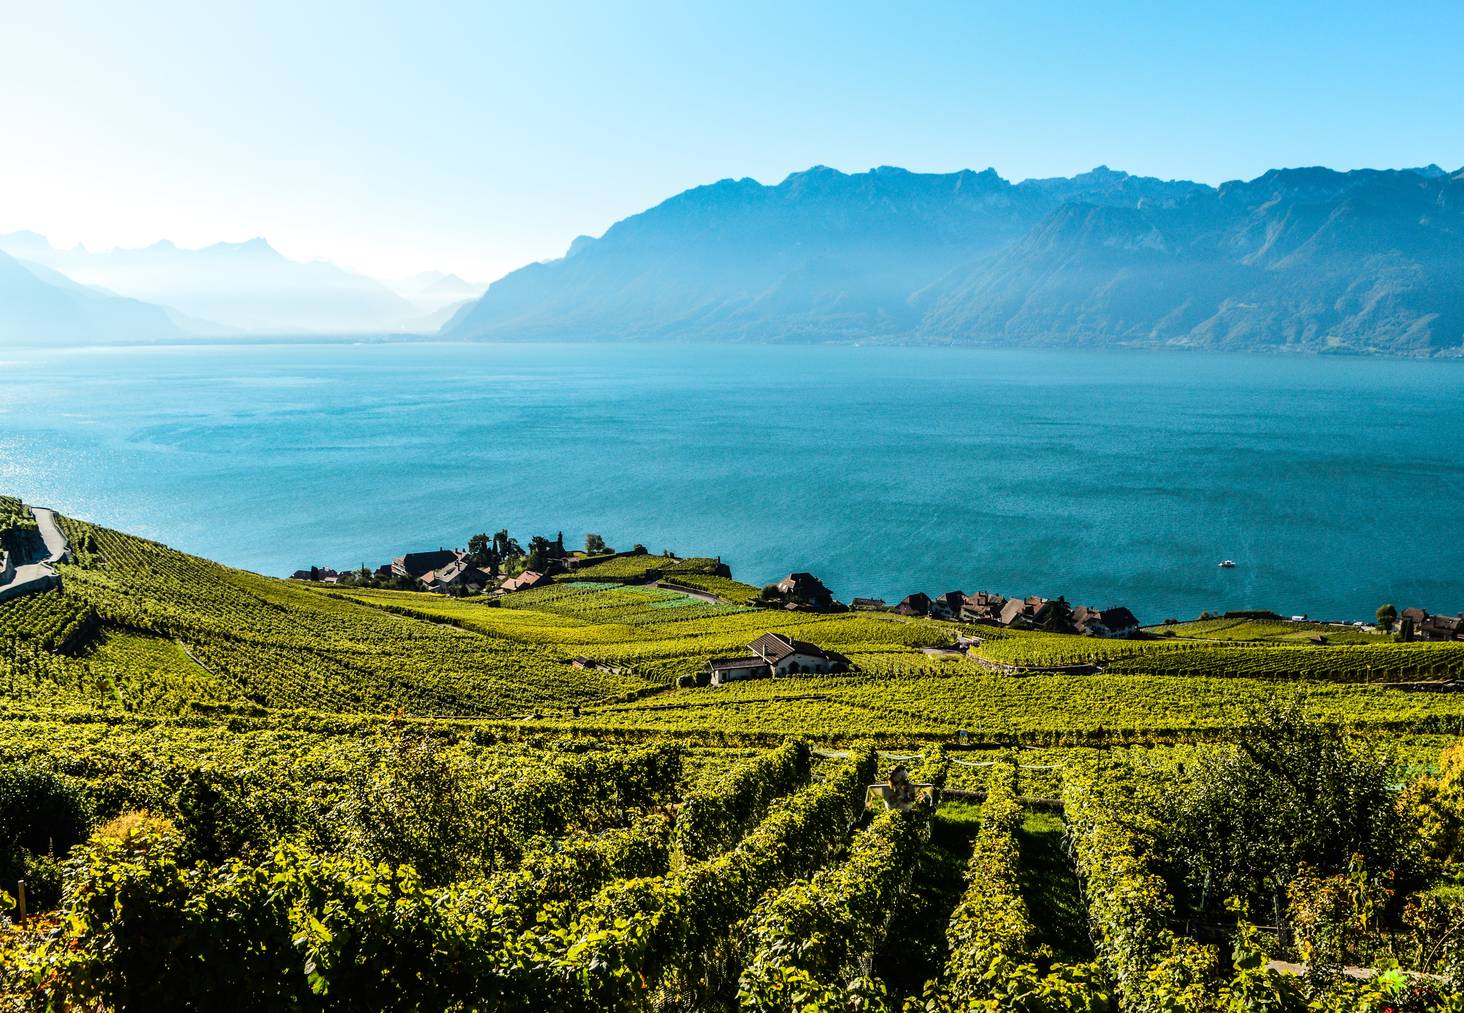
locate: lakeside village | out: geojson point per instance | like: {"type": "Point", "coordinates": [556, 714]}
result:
{"type": "Point", "coordinates": [495, 566]}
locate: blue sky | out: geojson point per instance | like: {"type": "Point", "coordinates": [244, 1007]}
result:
{"type": "Point", "coordinates": [475, 137]}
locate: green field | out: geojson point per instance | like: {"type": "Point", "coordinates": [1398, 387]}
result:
{"type": "Point", "coordinates": [265, 794]}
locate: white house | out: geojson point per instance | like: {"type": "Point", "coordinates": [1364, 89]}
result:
{"type": "Point", "coordinates": [774, 654]}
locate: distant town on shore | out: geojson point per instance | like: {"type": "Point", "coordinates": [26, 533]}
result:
{"type": "Point", "coordinates": [492, 566]}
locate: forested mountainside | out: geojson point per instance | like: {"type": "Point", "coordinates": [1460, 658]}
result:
{"type": "Point", "coordinates": [1302, 259]}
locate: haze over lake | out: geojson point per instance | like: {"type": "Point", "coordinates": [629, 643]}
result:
{"type": "Point", "coordinates": [1112, 478]}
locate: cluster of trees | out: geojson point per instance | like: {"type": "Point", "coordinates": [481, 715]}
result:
{"type": "Point", "coordinates": [501, 552]}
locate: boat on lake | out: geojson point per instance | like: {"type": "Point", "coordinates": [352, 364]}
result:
{"type": "Point", "coordinates": [1227, 564]}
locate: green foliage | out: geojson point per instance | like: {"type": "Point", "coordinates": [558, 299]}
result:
{"type": "Point", "coordinates": [993, 961]}
{"type": "Point", "coordinates": [1434, 804]}
{"type": "Point", "coordinates": [1116, 850]}
{"type": "Point", "coordinates": [712, 818]}
{"type": "Point", "coordinates": [729, 590]}
{"type": "Point", "coordinates": [52, 621]}
{"type": "Point", "coordinates": [1289, 793]}
{"type": "Point", "coordinates": [40, 815]}
{"type": "Point", "coordinates": [523, 834]}
{"type": "Point", "coordinates": [1387, 615]}
{"type": "Point", "coordinates": [420, 808]}
{"type": "Point", "coordinates": [679, 929]}
{"type": "Point", "coordinates": [810, 941]}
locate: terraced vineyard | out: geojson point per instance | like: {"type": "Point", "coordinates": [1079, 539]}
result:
{"type": "Point", "coordinates": [228, 791]}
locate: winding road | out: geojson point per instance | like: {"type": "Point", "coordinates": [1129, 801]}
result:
{"type": "Point", "coordinates": [57, 548]}
{"type": "Point", "coordinates": [39, 574]}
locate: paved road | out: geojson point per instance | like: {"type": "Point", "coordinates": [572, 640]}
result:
{"type": "Point", "coordinates": [705, 596]}
{"type": "Point", "coordinates": [40, 575]}
{"type": "Point", "coordinates": [56, 545]}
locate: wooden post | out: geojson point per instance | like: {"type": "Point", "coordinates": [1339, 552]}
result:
{"type": "Point", "coordinates": [20, 899]}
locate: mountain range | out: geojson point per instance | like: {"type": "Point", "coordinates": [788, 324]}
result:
{"type": "Point", "coordinates": [164, 291]}
{"type": "Point", "coordinates": [1308, 259]}
{"type": "Point", "coordinates": [40, 306]}
{"type": "Point", "coordinates": [1305, 259]}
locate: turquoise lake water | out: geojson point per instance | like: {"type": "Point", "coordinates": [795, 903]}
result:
{"type": "Point", "coordinates": [1112, 478]}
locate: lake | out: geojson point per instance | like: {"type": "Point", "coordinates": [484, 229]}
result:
{"type": "Point", "coordinates": [1110, 477]}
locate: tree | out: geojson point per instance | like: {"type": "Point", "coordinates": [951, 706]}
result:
{"type": "Point", "coordinates": [484, 553]}
{"type": "Point", "coordinates": [479, 547]}
{"type": "Point", "coordinates": [559, 552]}
{"type": "Point", "coordinates": [1290, 792]}
{"type": "Point", "coordinates": [1387, 616]}
{"type": "Point", "coordinates": [315, 573]}
{"type": "Point", "coordinates": [504, 549]}
{"type": "Point", "coordinates": [540, 552]}
{"type": "Point", "coordinates": [595, 545]}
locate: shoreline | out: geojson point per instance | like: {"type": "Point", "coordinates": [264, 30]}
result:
{"type": "Point", "coordinates": [887, 343]}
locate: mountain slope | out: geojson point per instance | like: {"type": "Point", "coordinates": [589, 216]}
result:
{"type": "Point", "coordinates": [40, 307]}
{"type": "Point", "coordinates": [246, 286]}
{"type": "Point", "coordinates": [1305, 259]}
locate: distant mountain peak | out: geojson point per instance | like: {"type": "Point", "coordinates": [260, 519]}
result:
{"type": "Point", "coordinates": [27, 236]}
{"type": "Point", "coordinates": [256, 247]}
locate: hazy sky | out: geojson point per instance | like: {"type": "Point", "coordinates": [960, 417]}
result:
{"type": "Point", "coordinates": [475, 138]}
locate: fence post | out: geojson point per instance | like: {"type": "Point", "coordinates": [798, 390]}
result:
{"type": "Point", "coordinates": [20, 899]}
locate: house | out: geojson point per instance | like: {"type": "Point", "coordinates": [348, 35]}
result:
{"type": "Point", "coordinates": [1016, 612]}
{"type": "Point", "coordinates": [1089, 621]}
{"type": "Point", "coordinates": [948, 605]}
{"type": "Point", "coordinates": [1419, 624]}
{"type": "Point", "coordinates": [315, 573]}
{"type": "Point", "coordinates": [722, 670]}
{"type": "Point", "coordinates": [414, 564]}
{"type": "Point", "coordinates": [1439, 627]}
{"type": "Point", "coordinates": [524, 581]}
{"type": "Point", "coordinates": [805, 590]}
{"type": "Point", "coordinates": [1054, 616]}
{"type": "Point", "coordinates": [459, 574]}
{"type": "Point", "coordinates": [1111, 622]}
{"type": "Point", "coordinates": [868, 605]}
{"type": "Point", "coordinates": [983, 607]}
{"type": "Point", "coordinates": [772, 655]}
{"type": "Point", "coordinates": [917, 604]}
{"type": "Point", "coordinates": [789, 656]}
{"type": "Point", "coordinates": [1120, 622]}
